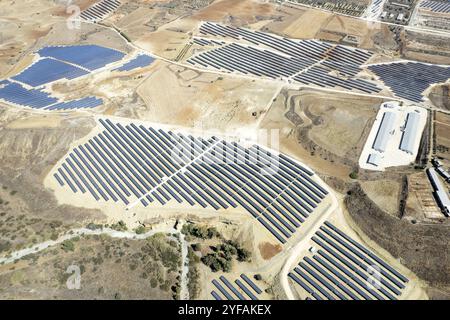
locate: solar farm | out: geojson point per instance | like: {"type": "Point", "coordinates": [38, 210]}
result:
{"type": "Point", "coordinates": [310, 62]}
{"type": "Point", "coordinates": [225, 150]}
{"type": "Point", "coordinates": [340, 268]}
{"type": "Point", "coordinates": [100, 10]}
{"type": "Point", "coordinates": [131, 164]}
{"type": "Point", "coordinates": [243, 288]}
{"type": "Point", "coordinates": [306, 62]}
{"type": "Point", "coordinates": [53, 64]}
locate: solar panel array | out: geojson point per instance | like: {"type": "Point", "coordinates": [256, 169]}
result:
{"type": "Point", "coordinates": [90, 57]}
{"type": "Point", "coordinates": [84, 103]}
{"type": "Point", "coordinates": [320, 76]}
{"type": "Point", "coordinates": [48, 70]}
{"type": "Point", "coordinates": [409, 80]}
{"type": "Point", "coordinates": [140, 61]}
{"type": "Point", "coordinates": [57, 63]}
{"type": "Point", "coordinates": [15, 93]}
{"type": "Point", "coordinates": [242, 289]}
{"type": "Point", "coordinates": [287, 58]}
{"type": "Point", "coordinates": [436, 6]}
{"type": "Point", "coordinates": [100, 10]}
{"type": "Point", "coordinates": [130, 163]}
{"type": "Point", "coordinates": [343, 269]}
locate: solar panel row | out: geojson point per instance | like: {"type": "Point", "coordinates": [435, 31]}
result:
{"type": "Point", "coordinates": [48, 70]}
{"type": "Point", "coordinates": [37, 99]}
{"type": "Point", "coordinates": [409, 80]}
{"type": "Point", "coordinates": [289, 59]}
{"type": "Point", "coordinates": [240, 290]}
{"type": "Point", "coordinates": [343, 269]}
{"type": "Point", "coordinates": [90, 57]}
{"type": "Point", "coordinates": [100, 10]}
{"type": "Point", "coordinates": [436, 6]}
{"type": "Point", "coordinates": [134, 163]}
{"type": "Point", "coordinates": [140, 61]}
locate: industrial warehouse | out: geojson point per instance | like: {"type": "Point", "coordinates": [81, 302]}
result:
{"type": "Point", "coordinates": [394, 138]}
{"type": "Point", "coordinates": [225, 150]}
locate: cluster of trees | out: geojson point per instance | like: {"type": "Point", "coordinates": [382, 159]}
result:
{"type": "Point", "coordinates": [119, 226]}
{"type": "Point", "coordinates": [222, 256]}
{"type": "Point", "coordinates": [202, 232]}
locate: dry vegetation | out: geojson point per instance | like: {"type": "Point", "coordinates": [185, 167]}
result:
{"type": "Point", "coordinates": [110, 269]}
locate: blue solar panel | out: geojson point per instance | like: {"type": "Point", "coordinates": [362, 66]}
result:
{"type": "Point", "coordinates": [89, 102]}
{"type": "Point", "coordinates": [91, 57]}
{"type": "Point", "coordinates": [17, 94]}
{"type": "Point", "coordinates": [410, 80]}
{"type": "Point", "coordinates": [48, 70]}
{"type": "Point", "coordinates": [138, 62]}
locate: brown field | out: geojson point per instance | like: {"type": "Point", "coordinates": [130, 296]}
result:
{"type": "Point", "coordinates": [332, 130]}
{"type": "Point", "coordinates": [442, 130]}
{"type": "Point", "coordinates": [180, 96]}
{"type": "Point", "coordinates": [384, 193]}
{"type": "Point", "coordinates": [269, 250]}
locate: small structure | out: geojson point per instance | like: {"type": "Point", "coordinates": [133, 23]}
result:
{"type": "Point", "coordinates": [374, 159]}
{"type": "Point", "coordinates": [440, 193]}
{"type": "Point", "coordinates": [443, 173]}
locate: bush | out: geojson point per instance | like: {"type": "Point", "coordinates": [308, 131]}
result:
{"type": "Point", "coordinates": [119, 226]}
{"type": "Point", "coordinates": [354, 175]}
{"type": "Point", "coordinates": [140, 230]}
{"type": "Point", "coordinates": [201, 232]}
{"type": "Point", "coordinates": [68, 246]}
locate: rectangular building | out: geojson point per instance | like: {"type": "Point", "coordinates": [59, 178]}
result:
{"type": "Point", "coordinates": [439, 193]}
{"type": "Point", "coordinates": [384, 131]}
{"type": "Point", "coordinates": [410, 132]}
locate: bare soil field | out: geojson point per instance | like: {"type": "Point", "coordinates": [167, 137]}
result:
{"type": "Point", "coordinates": [442, 135]}
{"type": "Point", "coordinates": [426, 47]}
{"type": "Point", "coordinates": [237, 12]}
{"type": "Point", "coordinates": [384, 193]}
{"type": "Point", "coordinates": [440, 96]}
{"type": "Point", "coordinates": [22, 23]}
{"type": "Point", "coordinates": [180, 96]}
{"type": "Point", "coordinates": [325, 130]}
{"type": "Point", "coordinates": [299, 23]}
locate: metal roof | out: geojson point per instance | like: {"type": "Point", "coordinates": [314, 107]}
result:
{"type": "Point", "coordinates": [374, 159]}
{"type": "Point", "coordinates": [384, 131]}
{"type": "Point", "coordinates": [410, 132]}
